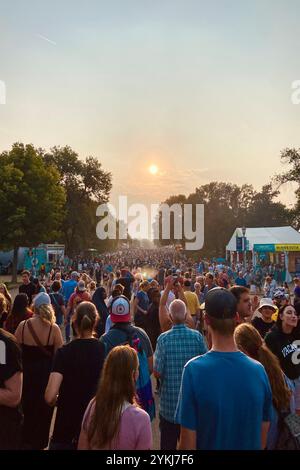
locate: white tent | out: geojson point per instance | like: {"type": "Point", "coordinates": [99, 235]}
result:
{"type": "Point", "coordinates": [265, 235]}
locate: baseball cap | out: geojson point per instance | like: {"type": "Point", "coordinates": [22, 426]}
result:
{"type": "Point", "coordinates": [74, 274]}
{"type": "Point", "coordinates": [120, 310]}
{"type": "Point", "coordinates": [81, 286]}
{"type": "Point", "coordinates": [279, 294]}
{"type": "Point", "coordinates": [41, 299]}
{"type": "Point", "coordinates": [220, 303]}
{"type": "Point", "coordinates": [266, 302]}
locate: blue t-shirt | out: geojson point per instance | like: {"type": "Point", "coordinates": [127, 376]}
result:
{"type": "Point", "coordinates": [68, 288]}
{"type": "Point", "coordinates": [225, 397]}
{"type": "Point", "coordinates": [143, 299]}
{"type": "Point", "coordinates": [240, 282]}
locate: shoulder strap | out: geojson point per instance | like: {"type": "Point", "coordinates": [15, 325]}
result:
{"type": "Point", "coordinates": [23, 331]}
{"type": "Point", "coordinates": [49, 334]}
{"type": "Point", "coordinates": [36, 339]}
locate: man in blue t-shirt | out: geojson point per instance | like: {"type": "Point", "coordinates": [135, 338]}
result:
{"type": "Point", "coordinates": [240, 280]}
{"type": "Point", "coordinates": [225, 401]}
{"type": "Point", "coordinates": [69, 286]}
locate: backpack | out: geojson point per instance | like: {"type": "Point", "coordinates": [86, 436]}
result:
{"type": "Point", "coordinates": [57, 308]}
{"type": "Point", "coordinates": [288, 432]}
{"type": "Point", "coordinates": [143, 384]}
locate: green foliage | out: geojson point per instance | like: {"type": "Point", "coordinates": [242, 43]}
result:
{"type": "Point", "coordinates": [291, 157]}
{"type": "Point", "coordinates": [86, 185]}
{"type": "Point", "coordinates": [31, 199]}
{"type": "Point", "coordinates": [227, 206]}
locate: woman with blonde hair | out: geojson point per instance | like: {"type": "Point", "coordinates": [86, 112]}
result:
{"type": "Point", "coordinates": [4, 291]}
{"type": "Point", "coordinates": [113, 419]}
{"type": "Point", "coordinates": [39, 338]}
{"type": "Point", "coordinates": [249, 341]}
{"type": "Point", "coordinates": [3, 310]}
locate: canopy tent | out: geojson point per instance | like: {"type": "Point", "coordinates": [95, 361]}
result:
{"type": "Point", "coordinates": [265, 236]}
{"type": "Point", "coordinates": [260, 240]}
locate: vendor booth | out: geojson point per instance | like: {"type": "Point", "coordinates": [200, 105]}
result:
{"type": "Point", "coordinates": [262, 245]}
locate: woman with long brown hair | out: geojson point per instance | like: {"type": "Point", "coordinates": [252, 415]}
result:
{"type": "Point", "coordinates": [113, 419]}
{"type": "Point", "coordinates": [283, 341]}
{"type": "Point", "coordinates": [20, 311]}
{"type": "Point", "coordinates": [249, 341]}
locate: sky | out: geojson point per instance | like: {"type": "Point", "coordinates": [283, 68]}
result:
{"type": "Point", "coordinates": [202, 89]}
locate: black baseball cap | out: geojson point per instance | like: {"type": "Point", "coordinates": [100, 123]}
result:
{"type": "Point", "coordinates": [220, 303]}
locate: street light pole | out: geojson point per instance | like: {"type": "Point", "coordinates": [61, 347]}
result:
{"type": "Point", "coordinates": [244, 246]}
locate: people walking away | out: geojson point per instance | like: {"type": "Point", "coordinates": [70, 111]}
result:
{"type": "Point", "coordinates": [74, 378]}
{"type": "Point", "coordinates": [249, 341]}
{"type": "Point", "coordinates": [10, 394]}
{"type": "Point", "coordinates": [113, 419]}
{"type": "Point", "coordinates": [236, 415]}
{"type": "Point", "coordinates": [20, 311]}
{"type": "Point", "coordinates": [123, 332]}
{"type": "Point", "coordinates": [39, 338]}
{"type": "Point", "coordinates": [174, 349]}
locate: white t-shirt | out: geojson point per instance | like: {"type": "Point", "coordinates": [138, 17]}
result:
{"type": "Point", "coordinates": [170, 299]}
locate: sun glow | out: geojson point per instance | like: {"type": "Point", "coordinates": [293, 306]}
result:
{"type": "Point", "coordinates": [153, 169]}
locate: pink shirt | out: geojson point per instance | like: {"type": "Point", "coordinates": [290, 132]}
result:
{"type": "Point", "coordinates": [134, 434]}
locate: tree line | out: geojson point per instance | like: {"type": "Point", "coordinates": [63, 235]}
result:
{"type": "Point", "coordinates": [50, 196]}
{"type": "Point", "coordinates": [227, 206]}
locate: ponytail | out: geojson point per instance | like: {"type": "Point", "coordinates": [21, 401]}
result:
{"type": "Point", "coordinates": [280, 391]}
{"type": "Point", "coordinates": [248, 339]}
{"type": "Point", "coordinates": [85, 317]}
{"type": "Point", "coordinates": [86, 323]}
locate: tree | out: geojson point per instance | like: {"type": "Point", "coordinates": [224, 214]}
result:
{"type": "Point", "coordinates": [87, 185]}
{"type": "Point", "coordinates": [31, 200]}
{"type": "Point", "coordinates": [227, 206]}
{"type": "Point", "coordinates": [291, 157]}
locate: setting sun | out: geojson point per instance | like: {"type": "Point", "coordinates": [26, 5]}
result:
{"type": "Point", "coordinates": [153, 169]}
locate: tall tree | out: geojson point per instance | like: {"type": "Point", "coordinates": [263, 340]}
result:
{"type": "Point", "coordinates": [227, 206]}
{"type": "Point", "coordinates": [31, 200]}
{"type": "Point", "coordinates": [87, 185]}
{"type": "Point", "coordinates": [291, 158]}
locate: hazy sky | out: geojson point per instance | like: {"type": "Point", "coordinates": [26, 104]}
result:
{"type": "Point", "coordinates": [200, 88]}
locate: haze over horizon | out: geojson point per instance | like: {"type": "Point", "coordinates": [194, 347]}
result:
{"type": "Point", "coordinates": [201, 90]}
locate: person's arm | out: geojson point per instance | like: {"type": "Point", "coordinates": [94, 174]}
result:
{"type": "Point", "coordinates": [18, 332]}
{"type": "Point", "coordinates": [164, 317]}
{"type": "Point", "coordinates": [144, 438]}
{"type": "Point", "coordinates": [138, 308]}
{"type": "Point", "coordinates": [58, 339]}
{"type": "Point", "coordinates": [64, 311]}
{"type": "Point", "coordinates": [187, 439]}
{"type": "Point", "coordinates": [83, 442]}
{"type": "Point", "coordinates": [150, 364]}
{"type": "Point", "coordinates": [69, 307]}
{"type": "Point", "coordinates": [11, 394]}
{"type": "Point", "coordinates": [264, 434]}
{"type": "Point", "coordinates": [188, 319]}
{"type": "Point", "coordinates": [53, 387]}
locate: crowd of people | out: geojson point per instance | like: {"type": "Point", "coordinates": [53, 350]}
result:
{"type": "Point", "coordinates": [218, 344]}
